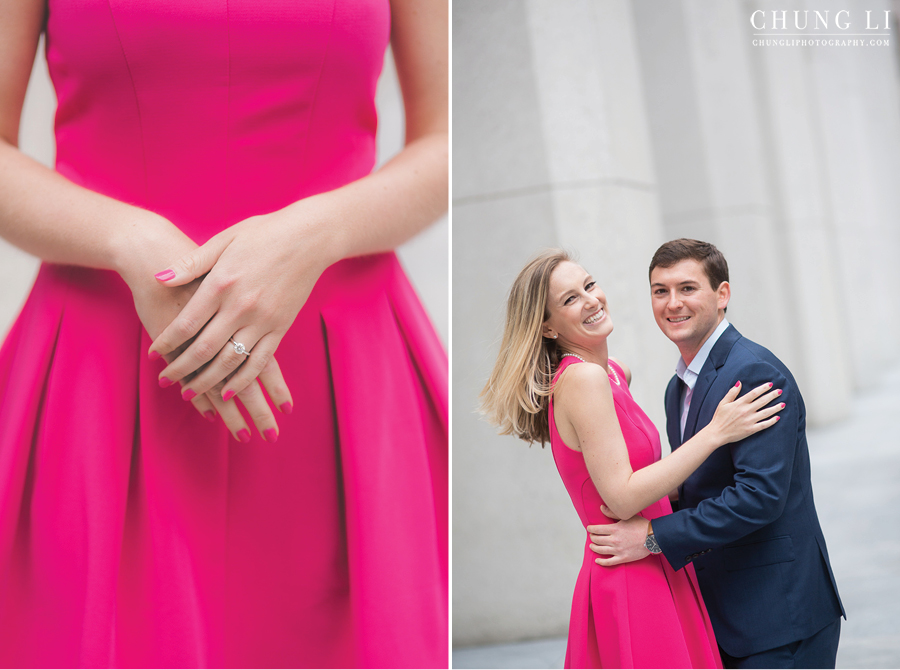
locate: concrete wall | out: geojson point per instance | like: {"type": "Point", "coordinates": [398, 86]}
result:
{"type": "Point", "coordinates": [425, 257]}
{"type": "Point", "coordinates": [609, 127]}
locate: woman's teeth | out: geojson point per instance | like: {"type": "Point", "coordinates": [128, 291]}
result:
{"type": "Point", "coordinates": [594, 319]}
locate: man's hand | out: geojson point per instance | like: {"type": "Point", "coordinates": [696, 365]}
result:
{"type": "Point", "coordinates": [621, 542]}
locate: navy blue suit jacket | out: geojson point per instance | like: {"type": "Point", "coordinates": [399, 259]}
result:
{"type": "Point", "coordinates": [746, 517]}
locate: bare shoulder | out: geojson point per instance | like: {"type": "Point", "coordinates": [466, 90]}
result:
{"type": "Point", "coordinates": [582, 381]}
{"type": "Point", "coordinates": [625, 369]}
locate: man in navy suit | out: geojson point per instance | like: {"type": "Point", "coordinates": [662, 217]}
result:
{"type": "Point", "coordinates": [746, 517]}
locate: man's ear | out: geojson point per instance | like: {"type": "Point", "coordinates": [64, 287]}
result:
{"type": "Point", "coordinates": [724, 295]}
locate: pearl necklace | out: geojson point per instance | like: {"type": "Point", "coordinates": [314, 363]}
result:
{"type": "Point", "coordinates": [611, 368]}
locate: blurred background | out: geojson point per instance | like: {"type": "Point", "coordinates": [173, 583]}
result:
{"type": "Point", "coordinates": [425, 257]}
{"type": "Point", "coordinates": [608, 127]}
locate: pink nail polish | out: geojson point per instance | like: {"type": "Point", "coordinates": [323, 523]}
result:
{"type": "Point", "coordinates": [243, 435]}
{"type": "Point", "coordinates": [736, 385]}
{"type": "Point", "coordinates": [783, 405]}
{"type": "Point", "coordinates": [286, 408]}
{"type": "Point", "coordinates": [228, 395]}
{"type": "Point", "coordinates": [778, 418]}
{"type": "Point", "coordinates": [165, 275]}
{"type": "Point", "coordinates": [270, 434]}
{"type": "Point", "coordinates": [780, 391]}
{"type": "Point", "coordinates": [153, 355]}
{"type": "Point", "coordinates": [165, 381]}
{"type": "Point", "coordinates": [190, 393]}
{"type": "Point", "coordinates": [209, 415]}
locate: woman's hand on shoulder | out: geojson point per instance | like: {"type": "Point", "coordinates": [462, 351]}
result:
{"type": "Point", "coordinates": [739, 418]}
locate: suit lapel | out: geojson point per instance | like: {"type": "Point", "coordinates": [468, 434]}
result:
{"type": "Point", "coordinates": [673, 412]}
{"type": "Point", "coordinates": [708, 374]}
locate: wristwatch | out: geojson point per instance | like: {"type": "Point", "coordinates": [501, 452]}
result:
{"type": "Point", "coordinates": [650, 543]}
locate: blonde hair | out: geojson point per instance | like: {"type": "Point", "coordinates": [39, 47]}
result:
{"type": "Point", "coordinates": [516, 396]}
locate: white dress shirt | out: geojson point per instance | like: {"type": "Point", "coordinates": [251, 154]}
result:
{"type": "Point", "coordinates": [690, 373]}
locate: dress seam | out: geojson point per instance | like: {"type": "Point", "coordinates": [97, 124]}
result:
{"type": "Point", "coordinates": [228, 200]}
{"type": "Point", "coordinates": [315, 100]}
{"type": "Point", "coordinates": [137, 105]}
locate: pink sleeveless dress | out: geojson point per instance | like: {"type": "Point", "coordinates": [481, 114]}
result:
{"type": "Point", "coordinates": [132, 531]}
{"type": "Point", "coordinates": [642, 614]}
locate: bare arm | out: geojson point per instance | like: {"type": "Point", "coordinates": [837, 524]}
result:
{"type": "Point", "coordinates": [42, 212]}
{"type": "Point", "coordinates": [584, 401]}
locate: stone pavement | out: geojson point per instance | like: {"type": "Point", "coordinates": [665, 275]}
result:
{"type": "Point", "coordinates": [856, 481]}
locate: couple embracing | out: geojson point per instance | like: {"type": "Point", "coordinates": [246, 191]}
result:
{"type": "Point", "coordinates": [745, 533]}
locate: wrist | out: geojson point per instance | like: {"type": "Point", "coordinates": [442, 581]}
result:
{"type": "Point", "coordinates": [312, 229]}
{"type": "Point", "coordinates": [148, 243]}
{"type": "Point", "coordinates": [711, 438]}
{"type": "Point", "coordinates": [651, 543]}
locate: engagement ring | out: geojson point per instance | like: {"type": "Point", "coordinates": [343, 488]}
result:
{"type": "Point", "coordinates": [239, 348]}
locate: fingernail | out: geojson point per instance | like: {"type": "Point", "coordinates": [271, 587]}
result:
{"type": "Point", "coordinates": [783, 405]}
{"type": "Point", "coordinates": [780, 391]}
{"type": "Point", "coordinates": [228, 395]}
{"type": "Point", "coordinates": [270, 434]}
{"type": "Point", "coordinates": [736, 385]}
{"type": "Point", "coordinates": [210, 415]}
{"type": "Point", "coordinates": [153, 355]}
{"type": "Point", "coordinates": [190, 393]}
{"type": "Point", "coordinates": [165, 275]}
{"type": "Point", "coordinates": [778, 418]}
{"type": "Point", "coordinates": [286, 408]}
{"type": "Point", "coordinates": [165, 381]}
{"type": "Point", "coordinates": [243, 435]}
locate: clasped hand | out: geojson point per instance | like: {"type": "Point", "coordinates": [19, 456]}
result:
{"type": "Point", "coordinates": [254, 278]}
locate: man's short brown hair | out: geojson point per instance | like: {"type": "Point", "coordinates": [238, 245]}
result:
{"type": "Point", "coordinates": [712, 260]}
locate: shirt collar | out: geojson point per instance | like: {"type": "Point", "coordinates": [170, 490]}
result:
{"type": "Point", "coordinates": [690, 373]}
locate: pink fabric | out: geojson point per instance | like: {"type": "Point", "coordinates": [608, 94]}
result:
{"type": "Point", "coordinates": [641, 614]}
{"type": "Point", "coordinates": [133, 532]}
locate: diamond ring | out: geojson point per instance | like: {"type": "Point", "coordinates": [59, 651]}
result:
{"type": "Point", "coordinates": [239, 348]}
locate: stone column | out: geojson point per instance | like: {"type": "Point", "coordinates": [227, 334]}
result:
{"type": "Point", "coordinates": [798, 183]}
{"type": "Point", "coordinates": [855, 90]}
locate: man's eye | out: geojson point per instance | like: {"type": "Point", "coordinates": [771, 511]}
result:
{"type": "Point", "coordinates": [689, 289]}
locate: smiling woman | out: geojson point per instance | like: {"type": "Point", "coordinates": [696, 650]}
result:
{"type": "Point", "coordinates": [554, 380]}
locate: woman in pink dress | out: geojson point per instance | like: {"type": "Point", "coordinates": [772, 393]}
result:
{"type": "Point", "coordinates": [554, 380]}
{"type": "Point", "coordinates": [213, 220]}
